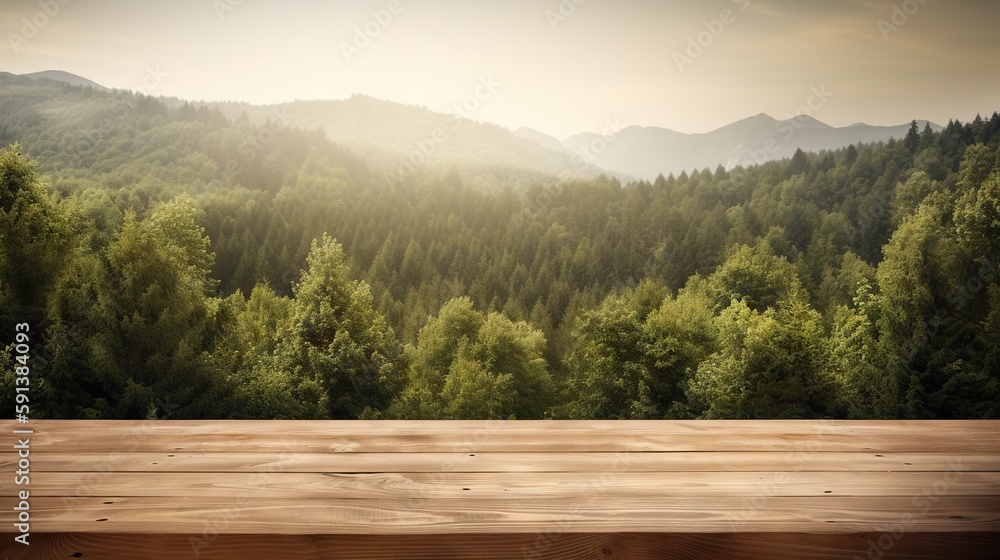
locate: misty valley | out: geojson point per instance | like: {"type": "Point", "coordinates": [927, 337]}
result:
{"type": "Point", "coordinates": [368, 259]}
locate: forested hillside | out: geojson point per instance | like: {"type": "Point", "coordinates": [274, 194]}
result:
{"type": "Point", "coordinates": [395, 138]}
{"type": "Point", "coordinates": [174, 263]}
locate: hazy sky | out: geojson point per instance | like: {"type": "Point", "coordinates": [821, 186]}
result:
{"type": "Point", "coordinates": [670, 63]}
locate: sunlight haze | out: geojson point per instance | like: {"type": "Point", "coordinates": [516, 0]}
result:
{"type": "Point", "coordinates": [563, 66]}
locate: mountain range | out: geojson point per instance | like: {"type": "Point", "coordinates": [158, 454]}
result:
{"type": "Point", "coordinates": [634, 152]}
{"type": "Point", "coordinates": [397, 137]}
{"type": "Point", "coordinates": [645, 152]}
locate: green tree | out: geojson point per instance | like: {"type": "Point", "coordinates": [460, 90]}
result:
{"type": "Point", "coordinates": [252, 352]}
{"type": "Point", "coordinates": [137, 322]}
{"type": "Point", "coordinates": [922, 261]}
{"type": "Point", "coordinates": [631, 355]}
{"type": "Point", "coordinates": [771, 365]}
{"type": "Point", "coordinates": [472, 392]}
{"type": "Point", "coordinates": [770, 360]}
{"type": "Point", "coordinates": [470, 365]}
{"type": "Point", "coordinates": [909, 195]}
{"type": "Point", "coordinates": [756, 276]}
{"type": "Point", "coordinates": [866, 386]}
{"type": "Point", "coordinates": [977, 218]}
{"type": "Point", "coordinates": [912, 140]}
{"type": "Point", "coordinates": [338, 339]}
{"type": "Point", "coordinates": [977, 165]}
{"type": "Point", "coordinates": [677, 337]}
{"type": "Point", "coordinates": [33, 239]}
{"type": "Point", "coordinates": [986, 400]}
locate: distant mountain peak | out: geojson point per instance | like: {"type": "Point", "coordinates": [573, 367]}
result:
{"type": "Point", "coordinates": [804, 120]}
{"type": "Point", "coordinates": [539, 137]}
{"type": "Point", "coordinates": [66, 77]}
{"type": "Point", "coordinates": [757, 119]}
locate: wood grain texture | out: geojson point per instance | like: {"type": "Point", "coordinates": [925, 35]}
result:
{"type": "Point", "coordinates": [247, 514]}
{"type": "Point", "coordinates": [510, 437]}
{"type": "Point", "coordinates": [508, 486]}
{"type": "Point", "coordinates": [580, 462]}
{"type": "Point", "coordinates": [542, 546]}
{"type": "Point", "coordinates": [534, 489]}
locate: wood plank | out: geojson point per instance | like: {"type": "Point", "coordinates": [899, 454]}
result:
{"type": "Point", "coordinates": [697, 461]}
{"type": "Point", "coordinates": [251, 515]}
{"type": "Point", "coordinates": [342, 427]}
{"type": "Point", "coordinates": [623, 485]}
{"type": "Point", "coordinates": [521, 436]}
{"type": "Point", "coordinates": [544, 546]}
{"type": "Point", "coordinates": [709, 489]}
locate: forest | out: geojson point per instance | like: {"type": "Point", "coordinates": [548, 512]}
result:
{"type": "Point", "coordinates": [175, 263]}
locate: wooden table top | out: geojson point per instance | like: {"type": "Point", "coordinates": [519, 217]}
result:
{"type": "Point", "coordinates": [506, 489]}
